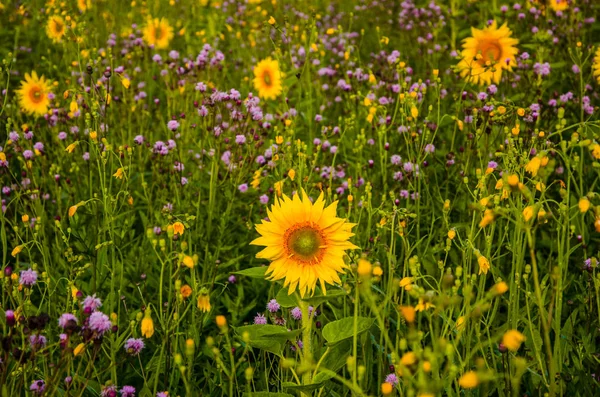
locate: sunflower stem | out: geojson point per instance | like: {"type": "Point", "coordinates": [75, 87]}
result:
{"type": "Point", "coordinates": [306, 341]}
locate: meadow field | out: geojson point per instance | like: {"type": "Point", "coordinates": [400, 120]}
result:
{"type": "Point", "coordinates": [271, 198]}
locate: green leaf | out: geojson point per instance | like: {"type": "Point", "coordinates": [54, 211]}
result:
{"type": "Point", "coordinates": [253, 272]}
{"type": "Point", "coordinates": [319, 298]}
{"type": "Point", "coordinates": [339, 330]}
{"type": "Point", "coordinates": [267, 337]}
{"type": "Point", "coordinates": [337, 356]}
{"type": "Point", "coordinates": [258, 331]}
{"type": "Point", "coordinates": [266, 394]}
{"type": "Point", "coordinates": [284, 299]}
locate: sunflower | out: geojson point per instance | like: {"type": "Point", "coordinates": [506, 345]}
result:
{"type": "Point", "coordinates": [485, 55]}
{"type": "Point", "coordinates": [267, 78]}
{"type": "Point", "coordinates": [33, 94]}
{"type": "Point", "coordinates": [84, 5]}
{"type": "Point", "coordinates": [158, 33]}
{"type": "Point", "coordinates": [56, 28]}
{"type": "Point", "coordinates": [596, 65]}
{"type": "Point", "coordinates": [305, 243]}
{"type": "Point", "coordinates": [559, 5]}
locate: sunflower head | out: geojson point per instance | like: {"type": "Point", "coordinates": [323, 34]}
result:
{"type": "Point", "coordinates": [559, 5]}
{"type": "Point", "coordinates": [56, 28]}
{"type": "Point", "coordinates": [158, 33]}
{"type": "Point", "coordinates": [267, 79]}
{"type": "Point", "coordinates": [487, 53]}
{"type": "Point", "coordinates": [305, 243]}
{"type": "Point", "coordinates": [83, 5]}
{"type": "Point", "coordinates": [33, 94]}
{"type": "Point", "coordinates": [596, 65]}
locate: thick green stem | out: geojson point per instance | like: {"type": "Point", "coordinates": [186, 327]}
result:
{"type": "Point", "coordinates": [307, 344]}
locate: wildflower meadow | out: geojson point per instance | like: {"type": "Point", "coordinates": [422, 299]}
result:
{"type": "Point", "coordinates": [272, 198]}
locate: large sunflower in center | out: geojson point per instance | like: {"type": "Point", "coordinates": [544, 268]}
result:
{"type": "Point", "coordinates": [158, 33]}
{"type": "Point", "coordinates": [485, 55]}
{"type": "Point", "coordinates": [305, 243]}
{"type": "Point", "coordinates": [33, 94]}
{"type": "Point", "coordinates": [268, 79]}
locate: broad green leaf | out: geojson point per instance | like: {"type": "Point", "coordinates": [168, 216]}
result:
{"type": "Point", "coordinates": [337, 355]}
{"type": "Point", "coordinates": [339, 330]}
{"type": "Point", "coordinates": [253, 272]}
{"type": "Point", "coordinates": [319, 298]}
{"type": "Point", "coordinates": [266, 394]}
{"type": "Point", "coordinates": [257, 331]}
{"type": "Point", "coordinates": [284, 299]}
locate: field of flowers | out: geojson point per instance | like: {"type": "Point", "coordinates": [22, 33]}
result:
{"type": "Point", "coordinates": [299, 198]}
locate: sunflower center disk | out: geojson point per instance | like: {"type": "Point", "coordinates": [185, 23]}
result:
{"type": "Point", "coordinates": [305, 243]}
{"type": "Point", "coordinates": [36, 95]}
{"type": "Point", "coordinates": [267, 78]}
{"type": "Point", "coordinates": [491, 51]}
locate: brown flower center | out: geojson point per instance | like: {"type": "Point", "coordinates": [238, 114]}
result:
{"type": "Point", "coordinates": [58, 26]}
{"type": "Point", "coordinates": [158, 32]}
{"type": "Point", "coordinates": [36, 94]}
{"type": "Point", "coordinates": [267, 78]}
{"type": "Point", "coordinates": [305, 243]}
{"type": "Point", "coordinates": [490, 52]}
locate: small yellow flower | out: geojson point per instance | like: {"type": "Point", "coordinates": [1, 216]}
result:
{"type": "Point", "coordinates": [521, 112]}
{"type": "Point", "coordinates": [377, 271]}
{"type": "Point", "coordinates": [185, 291]}
{"type": "Point", "coordinates": [513, 180]}
{"type": "Point", "coordinates": [584, 205]}
{"type": "Point", "coordinates": [533, 166]}
{"type": "Point", "coordinates": [461, 323]}
{"type": "Point", "coordinates": [72, 210]}
{"type": "Point", "coordinates": [414, 112]}
{"type": "Point", "coordinates": [16, 250]}
{"type": "Point", "coordinates": [451, 234]}
{"type": "Point", "coordinates": [528, 213]}
{"type": "Point", "coordinates": [422, 305]}
{"type": "Point", "coordinates": [178, 228]}
{"type": "Point", "coordinates": [512, 339]}
{"type": "Point", "coordinates": [364, 268]}
{"type": "Point", "coordinates": [147, 324]}
{"type": "Point", "coordinates": [79, 349]}
{"type": "Point", "coordinates": [484, 264]}
{"type": "Point", "coordinates": [292, 174]}
{"type": "Point", "coordinates": [119, 173]}
{"type": "Point", "coordinates": [386, 388]}
{"type": "Point", "coordinates": [409, 313]}
{"type": "Point", "coordinates": [469, 380]}
{"type": "Point", "coordinates": [406, 283]}
{"type": "Point", "coordinates": [488, 218]}
{"type": "Point", "coordinates": [221, 321]}
{"type": "Point", "coordinates": [188, 261]}
{"type": "Point", "coordinates": [126, 82]}
{"type": "Point", "coordinates": [25, 218]}
{"type": "Point", "coordinates": [70, 148]}
{"type": "Point", "coordinates": [204, 301]}
{"type": "Point", "coordinates": [500, 288]}
{"type": "Point", "coordinates": [427, 366]}
{"type": "Point", "coordinates": [408, 359]}
{"type": "Point", "coordinates": [272, 20]}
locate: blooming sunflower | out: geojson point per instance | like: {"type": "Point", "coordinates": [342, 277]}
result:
{"type": "Point", "coordinates": [56, 28]}
{"type": "Point", "coordinates": [158, 33]}
{"type": "Point", "coordinates": [33, 94]}
{"type": "Point", "coordinates": [559, 5]}
{"type": "Point", "coordinates": [84, 5]}
{"type": "Point", "coordinates": [305, 243]}
{"type": "Point", "coordinates": [267, 78]}
{"type": "Point", "coordinates": [487, 53]}
{"type": "Point", "coordinates": [596, 65]}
